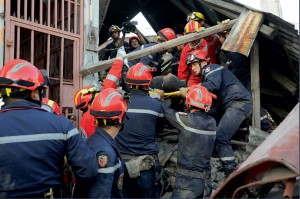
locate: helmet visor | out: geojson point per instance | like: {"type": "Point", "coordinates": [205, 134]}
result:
{"type": "Point", "coordinates": [20, 82]}
{"type": "Point", "coordinates": [190, 58]}
{"type": "Point", "coordinates": [191, 16]}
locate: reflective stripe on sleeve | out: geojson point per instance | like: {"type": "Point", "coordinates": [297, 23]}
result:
{"type": "Point", "coordinates": [110, 169]}
{"type": "Point", "coordinates": [215, 70]}
{"type": "Point", "coordinates": [112, 78]}
{"type": "Point", "coordinates": [38, 137]}
{"type": "Point", "coordinates": [72, 133]}
{"type": "Point", "coordinates": [145, 111]}
{"type": "Point", "coordinates": [198, 131]}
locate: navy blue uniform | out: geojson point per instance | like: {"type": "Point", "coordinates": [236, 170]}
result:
{"type": "Point", "coordinates": [153, 60]}
{"type": "Point", "coordinates": [111, 50]}
{"type": "Point", "coordinates": [109, 180]}
{"type": "Point", "coordinates": [195, 145]}
{"type": "Point", "coordinates": [239, 65]}
{"type": "Point", "coordinates": [236, 104]}
{"type": "Point", "coordinates": [143, 120]}
{"type": "Point", "coordinates": [33, 145]}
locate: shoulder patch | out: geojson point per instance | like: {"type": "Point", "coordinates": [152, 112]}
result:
{"type": "Point", "coordinates": [102, 160]}
{"type": "Point", "coordinates": [206, 70]}
{"type": "Point", "coordinates": [182, 113]}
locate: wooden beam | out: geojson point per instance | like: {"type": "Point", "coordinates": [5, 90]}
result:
{"type": "Point", "coordinates": [224, 5]}
{"type": "Point", "coordinates": [291, 65]}
{"type": "Point", "coordinates": [229, 14]}
{"type": "Point", "coordinates": [232, 10]}
{"type": "Point", "coordinates": [272, 92]}
{"type": "Point", "coordinates": [268, 32]}
{"type": "Point", "coordinates": [280, 112]}
{"type": "Point", "coordinates": [179, 5]}
{"type": "Point", "coordinates": [103, 65]}
{"type": "Point", "coordinates": [103, 7]}
{"type": "Point", "coordinates": [255, 84]}
{"type": "Point", "coordinates": [284, 81]}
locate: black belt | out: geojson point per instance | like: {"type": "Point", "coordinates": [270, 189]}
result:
{"type": "Point", "coordinates": [193, 174]}
{"type": "Point", "coordinates": [130, 157]}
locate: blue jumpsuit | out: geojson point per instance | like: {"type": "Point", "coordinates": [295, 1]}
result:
{"type": "Point", "coordinates": [195, 145]}
{"type": "Point", "coordinates": [109, 180]}
{"type": "Point", "coordinates": [152, 60]}
{"type": "Point", "coordinates": [143, 120]}
{"type": "Point", "coordinates": [239, 65]}
{"type": "Point", "coordinates": [33, 144]}
{"type": "Point", "coordinates": [111, 50]}
{"type": "Point", "coordinates": [235, 102]}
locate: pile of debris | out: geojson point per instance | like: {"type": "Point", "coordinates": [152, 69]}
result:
{"type": "Point", "coordinates": [168, 144]}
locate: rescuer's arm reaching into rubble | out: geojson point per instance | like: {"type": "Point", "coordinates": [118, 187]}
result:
{"type": "Point", "coordinates": [115, 73]}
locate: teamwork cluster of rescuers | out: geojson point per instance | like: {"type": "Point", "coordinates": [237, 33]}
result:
{"type": "Point", "coordinates": [114, 153]}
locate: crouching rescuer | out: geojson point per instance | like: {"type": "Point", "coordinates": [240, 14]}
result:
{"type": "Point", "coordinates": [195, 143]}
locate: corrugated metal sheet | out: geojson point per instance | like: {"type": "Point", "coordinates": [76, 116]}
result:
{"type": "Point", "coordinates": [243, 33]}
{"type": "Point", "coordinates": [277, 158]}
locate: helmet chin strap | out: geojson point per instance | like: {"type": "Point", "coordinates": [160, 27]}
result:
{"type": "Point", "coordinates": [201, 70]}
{"type": "Point", "coordinates": [39, 102]}
{"type": "Point", "coordinates": [195, 46]}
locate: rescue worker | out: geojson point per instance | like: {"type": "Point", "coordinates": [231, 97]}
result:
{"type": "Point", "coordinates": [234, 103]}
{"type": "Point", "coordinates": [51, 106]}
{"type": "Point", "coordinates": [112, 48]}
{"type": "Point", "coordinates": [196, 16]}
{"type": "Point", "coordinates": [239, 65]}
{"type": "Point", "coordinates": [83, 99]}
{"type": "Point", "coordinates": [208, 44]}
{"type": "Point", "coordinates": [34, 141]}
{"type": "Point", "coordinates": [155, 60]}
{"type": "Point", "coordinates": [197, 133]}
{"type": "Point", "coordinates": [109, 109]}
{"type": "Point", "coordinates": [134, 42]}
{"type": "Point", "coordinates": [213, 41]}
{"type": "Point", "coordinates": [143, 120]}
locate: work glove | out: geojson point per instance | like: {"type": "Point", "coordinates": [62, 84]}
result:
{"type": "Point", "coordinates": [183, 91]}
{"type": "Point", "coordinates": [142, 163]}
{"type": "Point", "coordinates": [200, 29]}
{"type": "Point", "coordinates": [159, 92]}
{"type": "Point", "coordinates": [121, 53]}
{"type": "Point", "coordinates": [226, 21]}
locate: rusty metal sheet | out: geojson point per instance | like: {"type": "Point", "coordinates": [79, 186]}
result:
{"type": "Point", "coordinates": [277, 158]}
{"type": "Point", "coordinates": [243, 33]}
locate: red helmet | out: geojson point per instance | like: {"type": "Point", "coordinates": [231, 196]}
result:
{"type": "Point", "coordinates": [166, 34]}
{"type": "Point", "coordinates": [192, 26]}
{"type": "Point", "coordinates": [51, 106]}
{"type": "Point", "coordinates": [19, 73]}
{"type": "Point", "coordinates": [109, 104]}
{"type": "Point", "coordinates": [139, 74]}
{"type": "Point", "coordinates": [196, 56]}
{"type": "Point", "coordinates": [134, 37]}
{"type": "Point", "coordinates": [200, 97]}
{"type": "Point", "coordinates": [84, 96]}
